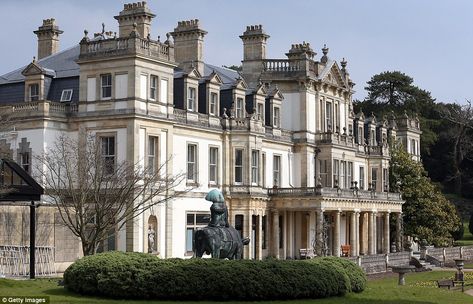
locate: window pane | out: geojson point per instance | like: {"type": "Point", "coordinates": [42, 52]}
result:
{"type": "Point", "coordinates": [190, 219]}
{"type": "Point", "coordinates": [189, 239]}
{"type": "Point", "coordinates": [202, 219]}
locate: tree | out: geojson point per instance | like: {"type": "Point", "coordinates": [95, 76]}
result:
{"type": "Point", "coordinates": [461, 118]}
{"type": "Point", "coordinates": [427, 215]}
{"type": "Point", "coordinates": [470, 224]}
{"type": "Point", "coordinates": [94, 194]}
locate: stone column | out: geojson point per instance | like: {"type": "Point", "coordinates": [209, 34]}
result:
{"type": "Point", "coordinates": [336, 235]}
{"type": "Point", "coordinates": [275, 242]}
{"type": "Point", "coordinates": [363, 231]}
{"type": "Point", "coordinates": [248, 220]}
{"type": "Point", "coordinates": [371, 228]}
{"type": "Point", "coordinates": [311, 230]}
{"type": "Point", "coordinates": [386, 233]}
{"type": "Point", "coordinates": [399, 231]}
{"type": "Point", "coordinates": [290, 234]}
{"type": "Point", "coordinates": [319, 232]}
{"type": "Point", "coordinates": [353, 234]}
{"type": "Point", "coordinates": [357, 232]}
{"type": "Point", "coordinates": [259, 235]}
{"type": "Point", "coordinates": [284, 234]}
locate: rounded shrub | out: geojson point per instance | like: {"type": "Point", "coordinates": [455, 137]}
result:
{"type": "Point", "coordinates": [356, 275]}
{"type": "Point", "coordinates": [141, 276]}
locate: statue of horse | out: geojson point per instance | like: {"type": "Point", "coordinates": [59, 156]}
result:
{"type": "Point", "coordinates": [219, 238]}
{"type": "Point", "coordinates": [219, 242]}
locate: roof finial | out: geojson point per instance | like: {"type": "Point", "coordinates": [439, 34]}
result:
{"type": "Point", "coordinates": [103, 28]}
{"type": "Point", "coordinates": [34, 59]}
{"type": "Point", "coordinates": [324, 58]}
{"type": "Point", "coordinates": [343, 63]}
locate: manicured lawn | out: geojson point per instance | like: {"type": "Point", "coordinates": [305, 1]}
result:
{"type": "Point", "coordinates": [420, 289]}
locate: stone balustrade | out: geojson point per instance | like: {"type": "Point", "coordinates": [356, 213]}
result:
{"type": "Point", "coordinates": [447, 254]}
{"type": "Point", "coordinates": [282, 65]}
{"type": "Point", "coordinates": [333, 192]}
{"type": "Point", "coordinates": [126, 46]}
{"type": "Point", "coordinates": [43, 108]}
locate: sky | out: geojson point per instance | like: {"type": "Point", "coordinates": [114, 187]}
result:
{"type": "Point", "coordinates": [429, 40]}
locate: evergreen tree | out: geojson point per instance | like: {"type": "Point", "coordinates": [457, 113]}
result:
{"type": "Point", "coordinates": [428, 216]}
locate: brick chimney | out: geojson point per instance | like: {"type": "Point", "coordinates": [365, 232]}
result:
{"type": "Point", "coordinates": [48, 38]}
{"type": "Point", "coordinates": [138, 13]}
{"type": "Point", "coordinates": [188, 44]}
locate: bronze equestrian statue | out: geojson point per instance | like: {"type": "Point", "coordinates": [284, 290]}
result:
{"type": "Point", "coordinates": [219, 238]}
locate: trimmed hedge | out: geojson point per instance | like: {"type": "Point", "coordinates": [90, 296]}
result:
{"type": "Point", "coordinates": [356, 275]}
{"type": "Point", "coordinates": [142, 276]}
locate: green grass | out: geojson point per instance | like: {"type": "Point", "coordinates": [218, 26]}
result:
{"type": "Point", "coordinates": [420, 289]}
{"type": "Point", "coordinates": [467, 239]}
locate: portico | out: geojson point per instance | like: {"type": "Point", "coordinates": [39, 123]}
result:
{"type": "Point", "coordinates": [327, 220]}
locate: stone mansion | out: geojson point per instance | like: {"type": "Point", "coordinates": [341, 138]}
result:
{"type": "Point", "coordinates": [278, 137]}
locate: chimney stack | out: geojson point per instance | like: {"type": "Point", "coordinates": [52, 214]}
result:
{"type": "Point", "coordinates": [188, 44]}
{"type": "Point", "coordinates": [132, 13]}
{"type": "Point", "coordinates": [254, 43]}
{"type": "Point", "coordinates": [48, 38]}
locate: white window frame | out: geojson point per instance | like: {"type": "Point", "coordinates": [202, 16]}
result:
{"type": "Point", "coordinates": [254, 167]}
{"type": "Point", "coordinates": [191, 99]}
{"type": "Point", "coordinates": [152, 153]}
{"type": "Point", "coordinates": [361, 178]}
{"type": "Point", "coordinates": [193, 228]}
{"type": "Point", "coordinates": [105, 86]}
{"type": "Point", "coordinates": [213, 165]}
{"type": "Point", "coordinates": [33, 96]}
{"type": "Point", "coordinates": [276, 117]}
{"type": "Point", "coordinates": [25, 159]}
{"type": "Point", "coordinates": [239, 107]}
{"type": "Point", "coordinates": [328, 116]}
{"type": "Point", "coordinates": [238, 166]}
{"type": "Point", "coordinates": [192, 163]}
{"type": "Point", "coordinates": [109, 158]}
{"type": "Point", "coordinates": [153, 87]}
{"type": "Point", "coordinates": [277, 170]}
{"type": "Point", "coordinates": [260, 111]}
{"type": "Point", "coordinates": [66, 95]}
{"type": "Point", "coordinates": [213, 104]}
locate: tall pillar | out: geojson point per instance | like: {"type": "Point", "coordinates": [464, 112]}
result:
{"type": "Point", "coordinates": [352, 234]}
{"type": "Point", "coordinates": [371, 228]}
{"type": "Point", "coordinates": [248, 224]}
{"type": "Point", "coordinates": [363, 233]}
{"type": "Point", "coordinates": [319, 232]}
{"type": "Point", "coordinates": [386, 233]}
{"type": "Point", "coordinates": [275, 242]}
{"type": "Point", "coordinates": [290, 234]}
{"type": "Point", "coordinates": [399, 231]}
{"type": "Point", "coordinates": [357, 232]}
{"type": "Point", "coordinates": [336, 235]}
{"type": "Point", "coordinates": [259, 235]}
{"type": "Point", "coordinates": [311, 230]}
{"type": "Point", "coordinates": [284, 233]}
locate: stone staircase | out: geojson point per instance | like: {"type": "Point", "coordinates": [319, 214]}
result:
{"type": "Point", "coordinates": [425, 265]}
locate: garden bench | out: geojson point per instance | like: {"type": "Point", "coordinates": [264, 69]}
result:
{"type": "Point", "coordinates": [445, 283]}
{"type": "Point", "coordinates": [346, 250]}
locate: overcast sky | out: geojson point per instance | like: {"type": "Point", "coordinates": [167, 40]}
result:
{"type": "Point", "coordinates": [432, 41]}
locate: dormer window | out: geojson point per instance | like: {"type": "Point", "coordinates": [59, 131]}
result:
{"type": "Point", "coordinates": [213, 104]}
{"type": "Point", "coordinates": [276, 118]}
{"type": "Point", "coordinates": [34, 92]}
{"type": "Point", "coordinates": [106, 86]}
{"type": "Point", "coordinates": [260, 112]}
{"type": "Point", "coordinates": [66, 95]}
{"type": "Point", "coordinates": [239, 108]}
{"type": "Point", "coordinates": [191, 99]}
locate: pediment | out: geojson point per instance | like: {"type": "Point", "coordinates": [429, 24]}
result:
{"type": "Point", "coordinates": [215, 78]}
{"type": "Point", "coordinates": [261, 90]}
{"type": "Point", "coordinates": [32, 69]}
{"type": "Point", "coordinates": [241, 84]}
{"type": "Point", "coordinates": [276, 94]}
{"type": "Point", "coordinates": [193, 73]}
{"type": "Point", "coordinates": [335, 77]}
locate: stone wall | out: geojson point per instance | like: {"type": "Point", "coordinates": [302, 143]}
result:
{"type": "Point", "coordinates": [381, 262]}
{"type": "Point", "coordinates": [448, 254]}
{"type": "Point", "coordinates": [50, 231]}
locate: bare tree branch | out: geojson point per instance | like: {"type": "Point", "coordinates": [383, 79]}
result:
{"type": "Point", "coordinates": [94, 195]}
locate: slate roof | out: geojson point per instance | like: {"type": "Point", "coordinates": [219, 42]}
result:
{"type": "Point", "coordinates": [62, 64]}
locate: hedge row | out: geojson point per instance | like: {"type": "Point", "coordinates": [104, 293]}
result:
{"type": "Point", "coordinates": [142, 276]}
